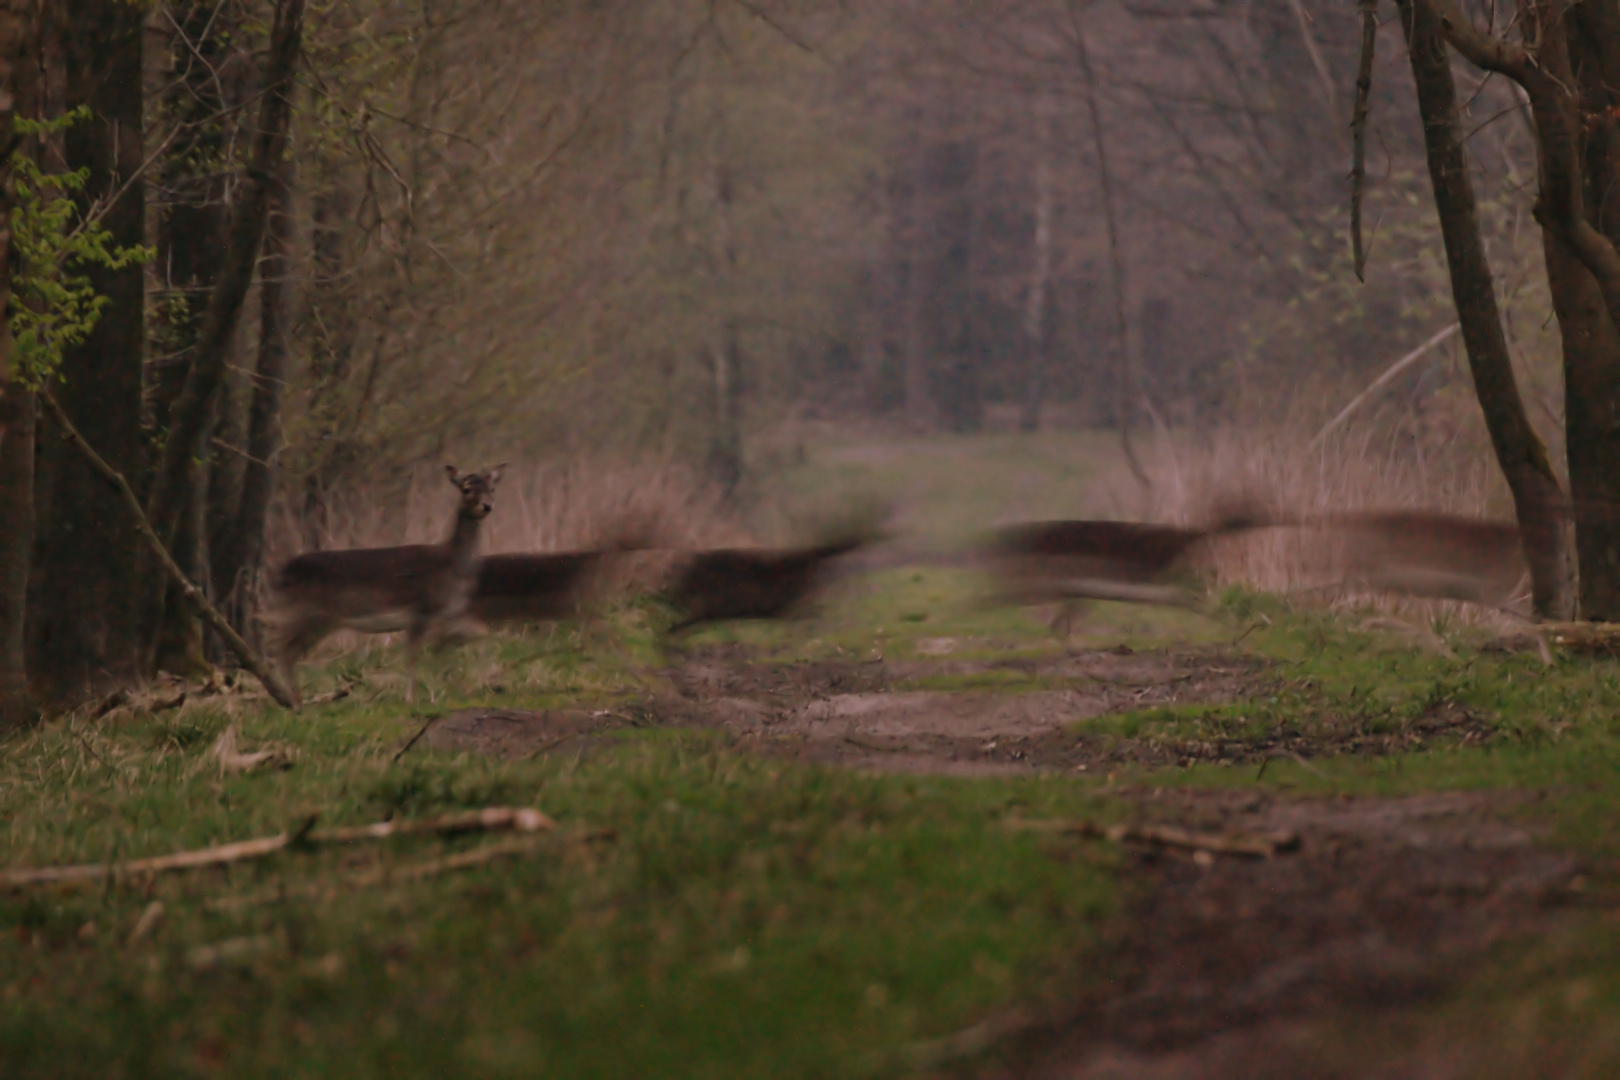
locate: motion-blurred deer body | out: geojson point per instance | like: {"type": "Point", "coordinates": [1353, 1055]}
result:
{"type": "Point", "coordinates": [1421, 553]}
{"type": "Point", "coordinates": [1064, 561]}
{"type": "Point", "coordinates": [751, 584]}
{"type": "Point", "coordinates": [420, 586]}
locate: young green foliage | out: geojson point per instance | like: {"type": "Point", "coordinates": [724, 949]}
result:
{"type": "Point", "coordinates": [54, 302]}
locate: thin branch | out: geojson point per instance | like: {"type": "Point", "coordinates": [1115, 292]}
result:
{"type": "Point", "coordinates": [1382, 381]}
{"type": "Point", "coordinates": [489, 819]}
{"type": "Point", "coordinates": [1317, 61]}
{"type": "Point", "coordinates": [1116, 259]}
{"type": "Point", "coordinates": [244, 652]}
{"type": "Point", "coordinates": [1358, 129]}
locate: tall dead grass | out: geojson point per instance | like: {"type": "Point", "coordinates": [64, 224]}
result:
{"type": "Point", "coordinates": [1275, 470]}
{"type": "Point", "coordinates": [582, 503]}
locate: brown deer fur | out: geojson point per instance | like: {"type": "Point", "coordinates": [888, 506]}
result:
{"type": "Point", "coordinates": [423, 586]}
{"type": "Point", "coordinates": [1421, 553]}
{"type": "Point", "coordinates": [751, 584]}
{"type": "Point", "coordinates": [1045, 561]}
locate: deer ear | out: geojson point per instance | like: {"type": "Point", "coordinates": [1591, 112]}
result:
{"type": "Point", "coordinates": [493, 476]}
{"type": "Point", "coordinates": [455, 477]}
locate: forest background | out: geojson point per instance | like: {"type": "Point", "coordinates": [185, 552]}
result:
{"type": "Point", "coordinates": [343, 242]}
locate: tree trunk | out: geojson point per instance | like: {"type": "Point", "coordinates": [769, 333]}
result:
{"type": "Point", "coordinates": [1574, 160]}
{"type": "Point", "coordinates": [1519, 451]}
{"type": "Point", "coordinates": [191, 420]}
{"type": "Point", "coordinates": [83, 626]}
{"type": "Point", "coordinates": [240, 555]}
{"type": "Point", "coordinates": [20, 92]}
{"type": "Point", "coordinates": [725, 444]}
{"type": "Point", "coordinates": [1040, 279]}
{"type": "Point", "coordinates": [947, 269]}
{"type": "Point", "coordinates": [1590, 328]}
{"type": "Point", "coordinates": [16, 546]}
{"type": "Point", "coordinates": [13, 47]}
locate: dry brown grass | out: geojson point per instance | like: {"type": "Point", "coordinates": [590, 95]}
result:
{"type": "Point", "coordinates": [1274, 469]}
{"type": "Point", "coordinates": [584, 503]}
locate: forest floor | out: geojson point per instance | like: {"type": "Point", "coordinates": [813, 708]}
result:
{"type": "Point", "coordinates": [911, 835]}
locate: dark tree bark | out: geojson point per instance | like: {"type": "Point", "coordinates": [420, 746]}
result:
{"type": "Point", "coordinates": [22, 90]}
{"type": "Point", "coordinates": [16, 543]}
{"type": "Point", "coordinates": [239, 554]}
{"type": "Point", "coordinates": [1562, 69]}
{"type": "Point", "coordinates": [83, 625]}
{"type": "Point", "coordinates": [13, 49]}
{"type": "Point", "coordinates": [1519, 451]}
{"type": "Point", "coordinates": [175, 485]}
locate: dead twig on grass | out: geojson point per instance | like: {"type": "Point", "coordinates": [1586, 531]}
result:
{"type": "Point", "coordinates": [1252, 845]}
{"type": "Point", "coordinates": [414, 739]}
{"type": "Point", "coordinates": [218, 855]}
{"type": "Point", "coordinates": [233, 760]}
{"type": "Point", "coordinates": [396, 875]}
{"type": "Point", "coordinates": [489, 819]}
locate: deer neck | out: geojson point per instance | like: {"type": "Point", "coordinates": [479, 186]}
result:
{"type": "Point", "coordinates": [464, 542]}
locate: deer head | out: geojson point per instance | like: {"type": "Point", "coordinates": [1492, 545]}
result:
{"type": "Point", "coordinates": [476, 490]}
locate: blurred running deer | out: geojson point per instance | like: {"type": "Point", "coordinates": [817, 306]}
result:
{"type": "Point", "coordinates": [422, 586]}
{"type": "Point", "coordinates": [1136, 562]}
{"type": "Point", "coordinates": [1426, 554]}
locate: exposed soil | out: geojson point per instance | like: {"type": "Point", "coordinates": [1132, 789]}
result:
{"type": "Point", "coordinates": [1234, 964]}
{"type": "Point", "coordinates": [1229, 966]}
{"type": "Point", "coordinates": [999, 716]}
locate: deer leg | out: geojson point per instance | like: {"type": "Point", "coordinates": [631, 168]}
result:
{"type": "Point", "coordinates": [295, 641]}
{"type": "Point", "coordinates": [413, 652]}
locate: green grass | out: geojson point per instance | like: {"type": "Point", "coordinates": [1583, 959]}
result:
{"type": "Point", "coordinates": [950, 488]}
{"type": "Point", "coordinates": [750, 919]}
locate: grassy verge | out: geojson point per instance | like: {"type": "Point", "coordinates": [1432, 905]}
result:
{"type": "Point", "coordinates": [748, 918]}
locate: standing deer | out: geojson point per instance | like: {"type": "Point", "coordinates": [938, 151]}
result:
{"type": "Point", "coordinates": [423, 586]}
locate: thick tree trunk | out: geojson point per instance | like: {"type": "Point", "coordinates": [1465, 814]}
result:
{"type": "Point", "coordinates": [16, 546]}
{"type": "Point", "coordinates": [1583, 260]}
{"type": "Point", "coordinates": [240, 555]}
{"type": "Point", "coordinates": [83, 625]}
{"type": "Point", "coordinates": [19, 92]}
{"type": "Point", "coordinates": [1519, 451]}
{"type": "Point", "coordinates": [176, 481]}
{"type": "Point", "coordinates": [13, 46]}
{"type": "Point", "coordinates": [1590, 328]}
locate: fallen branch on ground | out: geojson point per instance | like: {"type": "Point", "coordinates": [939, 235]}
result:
{"type": "Point", "coordinates": [233, 760]}
{"type": "Point", "coordinates": [1254, 845]}
{"type": "Point", "coordinates": [489, 819]}
{"type": "Point", "coordinates": [412, 741]}
{"type": "Point", "coordinates": [388, 875]}
{"type": "Point", "coordinates": [1586, 638]}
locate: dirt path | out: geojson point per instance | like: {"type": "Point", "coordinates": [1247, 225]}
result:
{"type": "Point", "coordinates": [1229, 964]}
{"type": "Point", "coordinates": [961, 717]}
{"type": "Point", "coordinates": [1233, 965]}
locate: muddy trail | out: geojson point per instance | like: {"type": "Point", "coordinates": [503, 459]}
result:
{"type": "Point", "coordinates": [1246, 968]}
{"type": "Point", "coordinates": [1226, 966]}
{"type": "Point", "coordinates": [965, 716]}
